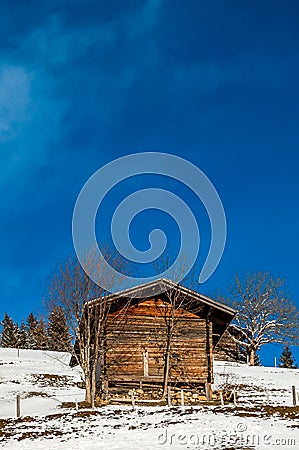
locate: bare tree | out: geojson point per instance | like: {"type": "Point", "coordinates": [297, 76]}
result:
{"type": "Point", "coordinates": [72, 289]}
{"type": "Point", "coordinates": [177, 301]}
{"type": "Point", "coordinates": [171, 314]}
{"type": "Point", "coordinates": [266, 312]}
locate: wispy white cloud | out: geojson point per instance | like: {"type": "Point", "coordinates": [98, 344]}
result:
{"type": "Point", "coordinates": [15, 98]}
{"type": "Point", "coordinates": [30, 118]}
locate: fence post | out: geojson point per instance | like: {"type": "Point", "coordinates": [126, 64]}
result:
{"type": "Point", "coordinates": [294, 395]}
{"type": "Point", "coordinates": [221, 398]}
{"type": "Point", "coordinates": [168, 396]}
{"type": "Point", "coordinates": [235, 397]}
{"type": "Point", "coordinates": [133, 398]}
{"type": "Point", "coordinates": [18, 405]}
{"type": "Point", "coordinates": [182, 398]}
{"type": "Point", "coordinates": [208, 391]}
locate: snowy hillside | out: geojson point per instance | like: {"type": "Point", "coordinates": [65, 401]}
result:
{"type": "Point", "coordinates": [42, 378]}
{"type": "Point", "coordinates": [263, 418]}
{"type": "Point", "coordinates": [257, 385]}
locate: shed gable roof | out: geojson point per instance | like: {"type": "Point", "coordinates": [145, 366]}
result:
{"type": "Point", "coordinates": [163, 285]}
{"type": "Point", "coordinates": [221, 315]}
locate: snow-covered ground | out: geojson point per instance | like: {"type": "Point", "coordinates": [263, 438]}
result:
{"type": "Point", "coordinates": [44, 380]}
{"type": "Point", "coordinates": [257, 385]}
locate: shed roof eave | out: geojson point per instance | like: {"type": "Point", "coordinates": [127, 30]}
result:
{"type": "Point", "coordinates": [168, 284]}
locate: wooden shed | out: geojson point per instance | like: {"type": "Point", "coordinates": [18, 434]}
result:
{"type": "Point", "coordinates": [163, 321]}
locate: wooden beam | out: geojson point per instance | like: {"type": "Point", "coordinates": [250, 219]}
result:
{"type": "Point", "coordinates": [209, 354]}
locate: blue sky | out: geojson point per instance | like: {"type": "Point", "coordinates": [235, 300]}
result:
{"type": "Point", "coordinates": [82, 83]}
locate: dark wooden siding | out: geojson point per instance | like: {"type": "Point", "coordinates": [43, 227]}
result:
{"type": "Point", "coordinates": [227, 349]}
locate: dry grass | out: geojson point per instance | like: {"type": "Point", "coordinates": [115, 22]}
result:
{"type": "Point", "coordinates": [46, 380]}
{"type": "Point", "coordinates": [283, 412]}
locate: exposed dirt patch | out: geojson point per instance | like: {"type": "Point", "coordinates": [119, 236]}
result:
{"type": "Point", "coordinates": [36, 434]}
{"type": "Point", "coordinates": [36, 394]}
{"type": "Point", "coordinates": [81, 405]}
{"type": "Point", "coordinates": [285, 412]}
{"type": "Point", "coordinates": [7, 426]}
{"type": "Point", "coordinates": [46, 379]}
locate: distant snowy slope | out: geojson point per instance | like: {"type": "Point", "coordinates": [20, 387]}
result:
{"type": "Point", "coordinates": [271, 385]}
{"type": "Point", "coordinates": [42, 378]}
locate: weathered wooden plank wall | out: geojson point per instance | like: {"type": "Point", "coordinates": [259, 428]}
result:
{"type": "Point", "coordinates": [143, 329]}
{"type": "Point", "coordinates": [227, 349]}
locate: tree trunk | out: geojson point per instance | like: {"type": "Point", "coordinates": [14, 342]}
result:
{"type": "Point", "coordinates": [88, 388]}
{"type": "Point", "coordinates": [252, 353]}
{"type": "Point", "coordinates": [166, 370]}
{"type": "Point", "coordinates": [93, 383]}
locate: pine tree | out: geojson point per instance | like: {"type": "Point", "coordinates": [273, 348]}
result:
{"type": "Point", "coordinates": [286, 359]}
{"type": "Point", "coordinates": [257, 360]}
{"type": "Point", "coordinates": [59, 338]}
{"type": "Point", "coordinates": [10, 332]}
{"type": "Point", "coordinates": [32, 324]}
{"type": "Point", "coordinates": [41, 336]}
{"type": "Point", "coordinates": [22, 337]}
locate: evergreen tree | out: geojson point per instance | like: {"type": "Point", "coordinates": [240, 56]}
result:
{"type": "Point", "coordinates": [257, 360]}
{"type": "Point", "coordinates": [10, 333]}
{"type": "Point", "coordinates": [59, 338]}
{"type": "Point", "coordinates": [22, 336]}
{"type": "Point", "coordinates": [41, 336]}
{"type": "Point", "coordinates": [286, 359]}
{"type": "Point", "coordinates": [32, 324]}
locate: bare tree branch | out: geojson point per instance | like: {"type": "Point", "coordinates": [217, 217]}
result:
{"type": "Point", "coordinates": [266, 312]}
